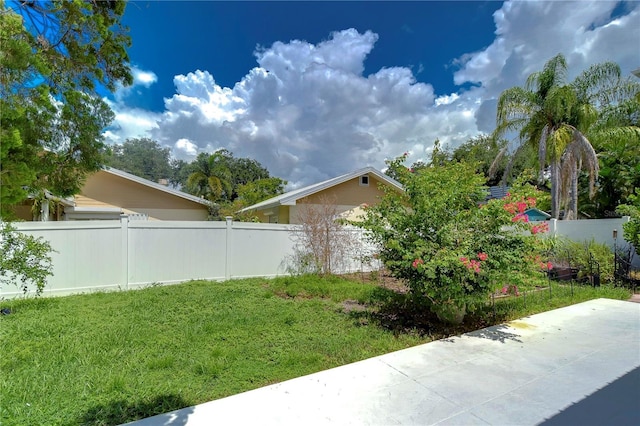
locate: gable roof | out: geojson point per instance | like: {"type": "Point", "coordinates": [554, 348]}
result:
{"type": "Point", "coordinates": [290, 198]}
{"type": "Point", "coordinates": [534, 211]}
{"type": "Point", "coordinates": [157, 186]}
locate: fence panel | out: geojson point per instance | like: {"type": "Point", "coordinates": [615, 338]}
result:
{"type": "Point", "coordinates": [259, 249]}
{"type": "Point", "coordinates": [172, 251]}
{"type": "Point", "coordinates": [87, 255]}
{"type": "Point", "coordinates": [600, 230]}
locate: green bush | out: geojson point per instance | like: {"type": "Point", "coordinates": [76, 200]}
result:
{"type": "Point", "coordinates": [24, 259]}
{"type": "Point", "coordinates": [632, 228]}
{"type": "Point", "coordinates": [450, 247]}
{"type": "Point", "coordinates": [584, 255]}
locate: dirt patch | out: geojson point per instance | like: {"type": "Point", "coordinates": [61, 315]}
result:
{"type": "Point", "coordinates": [350, 305]}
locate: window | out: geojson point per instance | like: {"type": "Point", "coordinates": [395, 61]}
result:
{"type": "Point", "coordinates": [364, 180]}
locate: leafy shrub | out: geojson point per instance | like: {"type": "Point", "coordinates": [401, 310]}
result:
{"type": "Point", "coordinates": [632, 228]}
{"type": "Point", "coordinates": [441, 239]}
{"type": "Point", "coordinates": [584, 255]}
{"type": "Point", "coordinates": [24, 259]}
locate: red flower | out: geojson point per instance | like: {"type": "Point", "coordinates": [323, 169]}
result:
{"type": "Point", "coordinates": [520, 218]}
{"type": "Point", "coordinates": [482, 256]}
{"type": "Point", "coordinates": [522, 206]}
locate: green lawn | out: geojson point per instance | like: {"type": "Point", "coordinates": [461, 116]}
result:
{"type": "Point", "coordinates": [109, 358]}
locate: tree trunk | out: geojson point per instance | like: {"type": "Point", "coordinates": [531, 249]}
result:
{"type": "Point", "coordinates": [555, 188]}
{"type": "Point", "coordinates": [574, 193]}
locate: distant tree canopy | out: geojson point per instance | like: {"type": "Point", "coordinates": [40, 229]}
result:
{"type": "Point", "coordinates": [230, 183]}
{"type": "Point", "coordinates": [222, 178]}
{"type": "Point", "coordinates": [54, 56]}
{"type": "Point", "coordinates": [142, 157]}
{"type": "Point", "coordinates": [490, 156]}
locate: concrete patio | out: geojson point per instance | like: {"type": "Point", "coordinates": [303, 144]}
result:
{"type": "Point", "coordinates": [578, 365]}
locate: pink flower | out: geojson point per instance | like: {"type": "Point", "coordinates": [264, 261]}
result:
{"type": "Point", "coordinates": [520, 218]}
{"type": "Point", "coordinates": [522, 206]}
{"type": "Point", "coordinates": [510, 208]}
{"type": "Point", "coordinates": [548, 266]}
{"type": "Point", "coordinates": [482, 256]}
{"type": "Point", "coordinates": [417, 262]}
{"type": "Point", "coordinates": [531, 201]}
{"type": "Point", "coordinates": [504, 289]}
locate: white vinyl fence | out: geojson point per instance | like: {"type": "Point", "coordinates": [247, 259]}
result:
{"type": "Point", "coordinates": [599, 230]}
{"type": "Point", "coordinates": [124, 254]}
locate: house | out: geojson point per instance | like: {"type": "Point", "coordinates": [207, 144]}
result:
{"type": "Point", "coordinates": [534, 215]}
{"type": "Point", "coordinates": [109, 193]}
{"type": "Point", "coordinates": [348, 193]}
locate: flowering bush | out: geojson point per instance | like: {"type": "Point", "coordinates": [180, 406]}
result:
{"type": "Point", "coordinates": [443, 240]}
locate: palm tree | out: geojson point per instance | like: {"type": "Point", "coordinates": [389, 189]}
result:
{"type": "Point", "coordinates": [210, 177]}
{"type": "Point", "coordinates": [554, 117]}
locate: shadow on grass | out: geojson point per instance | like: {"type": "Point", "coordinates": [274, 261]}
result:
{"type": "Point", "coordinates": [124, 411]}
{"type": "Point", "coordinates": [407, 313]}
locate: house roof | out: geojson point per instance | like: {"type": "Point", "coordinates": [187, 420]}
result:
{"type": "Point", "coordinates": [497, 192]}
{"type": "Point", "coordinates": [290, 198]}
{"type": "Point", "coordinates": [534, 211]}
{"type": "Point", "coordinates": [156, 186]}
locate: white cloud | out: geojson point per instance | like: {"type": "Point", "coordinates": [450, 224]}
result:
{"type": "Point", "coordinates": [446, 99]}
{"type": "Point", "coordinates": [529, 33]}
{"type": "Point", "coordinates": [131, 122]}
{"type": "Point", "coordinates": [188, 147]}
{"type": "Point", "coordinates": [143, 78]}
{"type": "Point", "coordinates": [307, 112]}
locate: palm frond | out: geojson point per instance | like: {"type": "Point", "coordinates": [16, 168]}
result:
{"type": "Point", "coordinates": [598, 83]}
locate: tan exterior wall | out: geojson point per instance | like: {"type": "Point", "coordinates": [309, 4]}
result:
{"type": "Point", "coordinates": [345, 196]}
{"type": "Point", "coordinates": [23, 212]}
{"type": "Point", "coordinates": [349, 193]}
{"type": "Point", "coordinates": [281, 212]}
{"type": "Point", "coordinates": [121, 192]}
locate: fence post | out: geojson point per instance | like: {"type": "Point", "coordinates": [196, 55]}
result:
{"type": "Point", "coordinates": [553, 227]}
{"type": "Point", "coordinates": [124, 240]}
{"type": "Point", "coordinates": [227, 251]}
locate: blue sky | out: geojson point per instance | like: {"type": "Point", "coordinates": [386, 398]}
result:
{"type": "Point", "coordinates": [221, 37]}
{"type": "Point", "coordinates": [316, 89]}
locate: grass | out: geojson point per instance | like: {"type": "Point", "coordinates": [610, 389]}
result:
{"type": "Point", "coordinates": [109, 358]}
